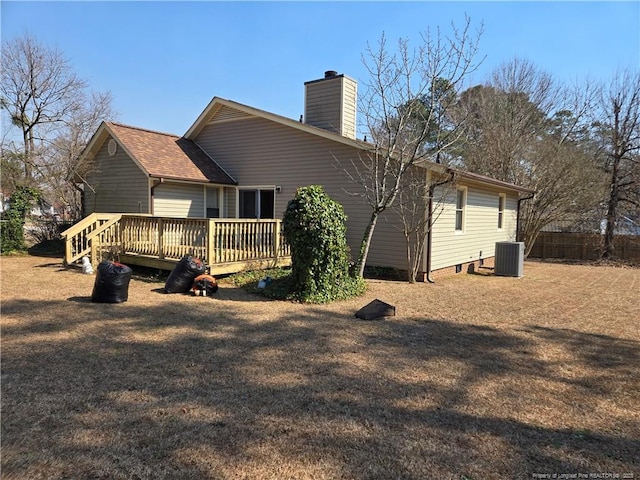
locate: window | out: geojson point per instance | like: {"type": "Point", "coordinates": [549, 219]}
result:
{"type": "Point", "coordinates": [213, 202]}
{"type": "Point", "coordinates": [248, 207]}
{"type": "Point", "coordinates": [461, 200]}
{"type": "Point", "coordinates": [501, 202]}
{"type": "Point", "coordinates": [256, 203]}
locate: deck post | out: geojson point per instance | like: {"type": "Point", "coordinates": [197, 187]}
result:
{"type": "Point", "coordinates": [68, 251]}
{"type": "Point", "coordinates": [95, 250]}
{"type": "Point", "coordinates": [160, 238]}
{"type": "Point", "coordinates": [211, 242]}
{"type": "Point", "coordinates": [276, 241]}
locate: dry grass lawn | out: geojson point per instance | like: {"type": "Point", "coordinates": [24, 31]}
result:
{"type": "Point", "coordinates": [477, 377]}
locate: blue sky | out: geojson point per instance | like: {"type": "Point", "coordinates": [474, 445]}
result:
{"type": "Point", "coordinates": [164, 61]}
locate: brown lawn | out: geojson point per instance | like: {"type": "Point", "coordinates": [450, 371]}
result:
{"type": "Point", "coordinates": [477, 377]}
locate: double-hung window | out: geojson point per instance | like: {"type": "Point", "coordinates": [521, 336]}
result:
{"type": "Point", "coordinates": [501, 203]}
{"type": "Point", "coordinates": [461, 201]}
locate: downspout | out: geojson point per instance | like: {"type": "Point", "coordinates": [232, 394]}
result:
{"type": "Point", "coordinates": [429, 236]}
{"type": "Point", "coordinates": [518, 214]}
{"type": "Point", "coordinates": [151, 190]}
{"type": "Point", "coordinates": [430, 215]}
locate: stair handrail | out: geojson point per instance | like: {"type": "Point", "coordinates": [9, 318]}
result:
{"type": "Point", "coordinates": [78, 230]}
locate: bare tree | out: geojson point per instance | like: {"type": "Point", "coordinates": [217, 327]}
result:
{"type": "Point", "coordinates": [568, 187]}
{"type": "Point", "coordinates": [618, 127]}
{"type": "Point", "coordinates": [60, 166]}
{"type": "Point", "coordinates": [39, 90]}
{"type": "Point", "coordinates": [54, 113]}
{"type": "Point", "coordinates": [419, 205]}
{"type": "Point", "coordinates": [401, 104]}
{"type": "Point", "coordinates": [526, 129]}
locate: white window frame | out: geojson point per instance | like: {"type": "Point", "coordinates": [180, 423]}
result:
{"type": "Point", "coordinates": [256, 188]}
{"type": "Point", "coordinates": [502, 205]}
{"type": "Point", "coordinates": [462, 210]}
{"type": "Point", "coordinates": [220, 199]}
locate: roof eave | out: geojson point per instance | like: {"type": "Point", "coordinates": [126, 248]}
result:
{"type": "Point", "coordinates": [103, 132]}
{"type": "Point", "coordinates": [187, 180]}
{"type": "Point", "coordinates": [492, 181]}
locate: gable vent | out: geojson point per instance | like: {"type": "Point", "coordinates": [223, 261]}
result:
{"type": "Point", "coordinates": [226, 114]}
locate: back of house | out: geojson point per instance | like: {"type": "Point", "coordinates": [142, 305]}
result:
{"type": "Point", "coordinates": [237, 161]}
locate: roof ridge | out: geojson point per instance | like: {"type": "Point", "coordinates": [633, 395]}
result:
{"type": "Point", "coordinates": [132, 127]}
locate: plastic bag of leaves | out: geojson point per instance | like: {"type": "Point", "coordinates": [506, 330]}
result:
{"type": "Point", "coordinates": [112, 283]}
{"type": "Point", "coordinates": [181, 278]}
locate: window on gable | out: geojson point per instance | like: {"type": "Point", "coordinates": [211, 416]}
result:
{"type": "Point", "coordinates": [461, 200]}
{"type": "Point", "coordinates": [502, 199]}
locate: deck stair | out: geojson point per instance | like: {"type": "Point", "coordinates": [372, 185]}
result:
{"type": "Point", "coordinates": [84, 238]}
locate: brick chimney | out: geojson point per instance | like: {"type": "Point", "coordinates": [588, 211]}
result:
{"type": "Point", "coordinates": [331, 103]}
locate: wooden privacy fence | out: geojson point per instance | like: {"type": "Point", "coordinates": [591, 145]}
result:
{"type": "Point", "coordinates": [583, 246]}
{"type": "Point", "coordinates": [226, 245]}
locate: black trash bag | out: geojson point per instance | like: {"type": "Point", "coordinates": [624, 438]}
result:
{"type": "Point", "coordinates": [181, 278]}
{"type": "Point", "coordinates": [112, 283]}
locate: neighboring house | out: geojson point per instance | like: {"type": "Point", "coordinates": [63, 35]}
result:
{"type": "Point", "coordinates": [38, 210]}
{"type": "Point", "coordinates": [628, 226]}
{"type": "Point", "coordinates": [4, 204]}
{"type": "Point", "coordinates": [237, 161]}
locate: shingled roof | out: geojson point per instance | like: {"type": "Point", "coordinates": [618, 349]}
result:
{"type": "Point", "coordinates": [168, 156]}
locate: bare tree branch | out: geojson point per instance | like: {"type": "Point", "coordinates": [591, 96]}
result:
{"type": "Point", "coordinates": [406, 102]}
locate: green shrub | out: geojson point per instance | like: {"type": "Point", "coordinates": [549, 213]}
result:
{"type": "Point", "coordinates": [314, 227]}
{"type": "Point", "coordinates": [12, 229]}
{"type": "Point", "coordinates": [12, 235]}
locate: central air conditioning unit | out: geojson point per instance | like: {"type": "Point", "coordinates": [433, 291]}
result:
{"type": "Point", "coordinates": [509, 260]}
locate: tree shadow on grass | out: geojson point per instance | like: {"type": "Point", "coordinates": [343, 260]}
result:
{"type": "Point", "coordinates": [181, 391]}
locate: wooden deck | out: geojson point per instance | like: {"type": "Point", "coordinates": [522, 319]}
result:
{"type": "Point", "coordinates": [226, 245]}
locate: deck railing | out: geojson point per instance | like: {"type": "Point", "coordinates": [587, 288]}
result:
{"type": "Point", "coordinates": [164, 238]}
{"type": "Point", "coordinates": [229, 242]}
{"type": "Point", "coordinates": [78, 238]}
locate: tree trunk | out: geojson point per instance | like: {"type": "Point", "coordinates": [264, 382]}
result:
{"type": "Point", "coordinates": [410, 277]}
{"type": "Point", "coordinates": [366, 243]}
{"type": "Point", "coordinates": [612, 206]}
{"type": "Point", "coordinates": [28, 149]}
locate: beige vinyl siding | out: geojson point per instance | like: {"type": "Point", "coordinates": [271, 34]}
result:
{"type": "Point", "coordinates": [229, 202]}
{"type": "Point", "coordinates": [349, 107]}
{"type": "Point", "coordinates": [258, 152]}
{"type": "Point", "coordinates": [179, 200]}
{"type": "Point", "coordinates": [122, 187]}
{"type": "Point", "coordinates": [481, 230]}
{"type": "Point", "coordinates": [331, 104]}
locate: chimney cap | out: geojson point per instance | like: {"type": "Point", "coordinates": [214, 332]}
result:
{"type": "Point", "coordinates": [330, 73]}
